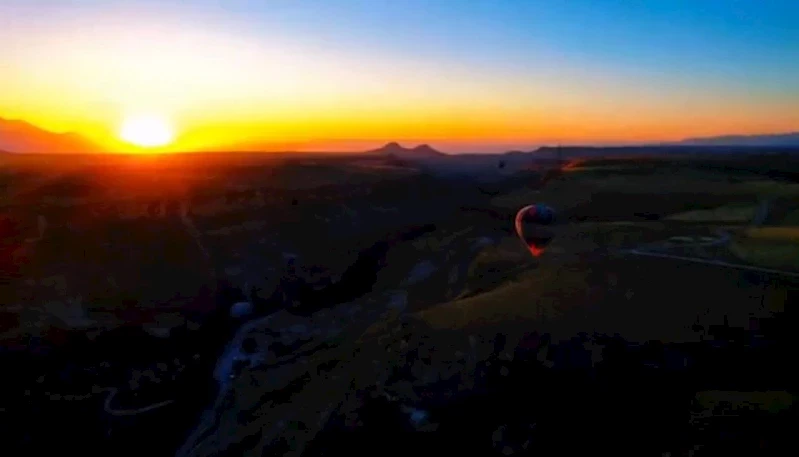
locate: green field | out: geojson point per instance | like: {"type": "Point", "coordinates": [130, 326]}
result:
{"type": "Point", "coordinates": [735, 213]}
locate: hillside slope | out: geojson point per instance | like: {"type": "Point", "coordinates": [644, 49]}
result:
{"type": "Point", "coordinates": [23, 137]}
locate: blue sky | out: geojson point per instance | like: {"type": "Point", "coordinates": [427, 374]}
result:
{"type": "Point", "coordinates": [746, 40]}
{"type": "Point", "coordinates": [653, 34]}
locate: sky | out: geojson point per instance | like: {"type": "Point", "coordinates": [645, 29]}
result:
{"type": "Point", "coordinates": [465, 76]}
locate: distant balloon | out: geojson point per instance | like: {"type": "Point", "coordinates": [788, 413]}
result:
{"type": "Point", "coordinates": [241, 309]}
{"type": "Point", "coordinates": [530, 224]}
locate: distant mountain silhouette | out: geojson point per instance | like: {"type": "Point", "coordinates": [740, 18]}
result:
{"type": "Point", "coordinates": [421, 151]}
{"type": "Point", "coordinates": [771, 140]}
{"type": "Point", "coordinates": [662, 150]}
{"type": "Point", "coordinates": [22, 137]}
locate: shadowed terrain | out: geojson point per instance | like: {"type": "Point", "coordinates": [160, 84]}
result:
{"type": "Point", "coordinates": [306, 305]}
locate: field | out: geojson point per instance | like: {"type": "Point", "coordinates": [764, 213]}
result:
{"type": "Point", "coordinates": [118, 274]}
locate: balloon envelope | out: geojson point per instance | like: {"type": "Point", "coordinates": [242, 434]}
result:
{"type": "Point", "coordinates": [530, 224]}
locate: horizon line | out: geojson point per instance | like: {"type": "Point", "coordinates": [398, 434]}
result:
{"type": "Point", "coordinates": [415, 142]}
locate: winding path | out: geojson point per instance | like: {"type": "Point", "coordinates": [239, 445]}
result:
{"type": "Point", "coordinates": [107, 404]}
{"type": "Point", "coordinates": [713, 262]}
{"type": "Point", "coordinates": [761, 214]}
{"type": "Point", "coordinates": [108, 408]}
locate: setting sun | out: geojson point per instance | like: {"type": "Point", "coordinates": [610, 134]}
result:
{"type": "Point", "coordinates": [147, 131]}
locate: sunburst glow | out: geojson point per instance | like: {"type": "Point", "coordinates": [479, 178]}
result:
{"type": "Point", "coordinates": [147, 131]}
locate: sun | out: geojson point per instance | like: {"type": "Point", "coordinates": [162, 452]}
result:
{"type": "Point", "coordinates": [147, 131]}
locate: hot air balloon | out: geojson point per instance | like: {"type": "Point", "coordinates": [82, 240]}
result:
{"type": "Point", "coordinates": [241, 309]}
{"type": "Point", "coordinates": [531, 227]}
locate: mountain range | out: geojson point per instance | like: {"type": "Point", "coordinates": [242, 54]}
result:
{"type": "Point", "coordinates": [419, 152]}
{"type": "Point", "coordinates": [774, 140]}
{"type": "Point", "coordinates": [23, 137]}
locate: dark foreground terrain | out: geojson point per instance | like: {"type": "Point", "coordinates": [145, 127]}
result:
{"type": "Point", "coordinates": [271, 305]}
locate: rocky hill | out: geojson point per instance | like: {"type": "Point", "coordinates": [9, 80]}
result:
{"type": "Point", "coordinates": [23, 137]}
{"type": "Point", "coordinates": [396, 150]}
